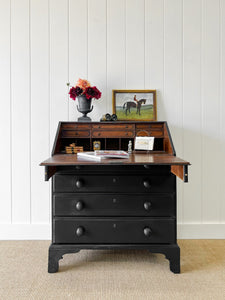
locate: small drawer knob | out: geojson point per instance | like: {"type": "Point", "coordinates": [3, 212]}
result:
{"type": "Point", "coordinates": [99, 134]}
{"type": "Point", "coordinates": [79, 205]}
{"type": "Point", "coordinates": [147, 205]}
{"type": "Point", "coordinates": [80, 231]}
{"type": "Point", "coordinates": [147, 231]}
{"type": "Point", "coordinates": [79, 183]}
{"type": "Point", "coordinates": [147, 184]}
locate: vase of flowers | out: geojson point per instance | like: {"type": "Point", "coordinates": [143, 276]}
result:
{"type": "Point", "coordinates": [84, 92]}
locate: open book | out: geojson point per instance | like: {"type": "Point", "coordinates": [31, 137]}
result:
{"type": "Point", "coordinates": [102, 154]}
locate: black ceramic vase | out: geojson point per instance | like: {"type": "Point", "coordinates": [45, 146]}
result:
{"type": "Point", "coordinates": [84, 107]}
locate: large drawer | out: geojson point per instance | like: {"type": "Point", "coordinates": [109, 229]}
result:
{"type": "Point", "coordinates": [108, 183]}
{"type": "Point", "coordinates": [79, 204]}
{"type": "Point", "coordinates": [113, 230]}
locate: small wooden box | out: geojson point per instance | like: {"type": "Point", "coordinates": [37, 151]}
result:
{"type": "Point", "coordinates": [73, 149]}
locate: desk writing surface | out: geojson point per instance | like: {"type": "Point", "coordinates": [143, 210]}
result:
{"type": "Point", "coordinates": [134, 159]}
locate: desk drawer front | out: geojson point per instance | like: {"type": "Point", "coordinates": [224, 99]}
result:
{"type": "Point", "coordinates": [145, 132]}
{"type": "Point", "coordinates": [79, 204]}
{"type": "Point", "coordinates": [113, 230]}
{"type": "Point", "coordinates": [113, 134]}
{"type": "Point", "coordinates": [76, 126]}
{"type": "Point", "coordinates": [107, 183]}
{"type": "Point", "coordinates": [155, 130]}
{"type": "Point", "coordinates": [75, 133]}
{"type": "Point", "coordinates": [150, 126]}
{"type": "Point", "coordinates": [113, 126]}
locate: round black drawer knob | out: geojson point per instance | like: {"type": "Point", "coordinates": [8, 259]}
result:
{"type": "Point", "coordinates": [79, 205]}
{"type": "Point", "coordinates": [147, 205]}
{"type": "Point", "coordinates": [80, 231]}
{"type": "Point", "coordinates": [147, 184]}
{"type": "Point", "coordinates": [147, 231]}
{"type": "Point", "coordinates": [79, 183]}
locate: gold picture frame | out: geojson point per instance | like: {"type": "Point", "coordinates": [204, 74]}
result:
{"type": "Point", "coordinates": [134, 105]}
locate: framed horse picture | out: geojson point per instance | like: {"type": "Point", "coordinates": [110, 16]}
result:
{"type": "Point", "coordinates": [134, 105]}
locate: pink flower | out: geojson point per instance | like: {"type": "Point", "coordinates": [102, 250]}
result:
{"type": "Point", "coordinates": [83, 83]}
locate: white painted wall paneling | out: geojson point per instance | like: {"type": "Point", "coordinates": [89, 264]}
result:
{"type": "Point", "coordinates": [78, 47]}
{"type": "Point", "coordinates": [176, 47]}
{"type": "Point", "coordinates": [116, 48]}
{"type": "Point", "coordinates": [135, 44]}
{"type": "Point", "coordinates": [97, 70]}
{"type": "Point", "coordinates": [39, 114]}
{"type": "Point", "coordinates": [222, 109]}
{"type": "Point", "coordinates": [59, 105]}
{"type": "Point", "coordinates": [211, 154]}
{"type": "Point", "coordinates": [173, 81]}
{"type": "Point", "coordinates": [154, 51]}
{"type": "Point", "coordinates": [192, 106]}
{"type": "Point", "coordinates": [5, 111]}
{"type": "Point", "coordinates": [21, 105]}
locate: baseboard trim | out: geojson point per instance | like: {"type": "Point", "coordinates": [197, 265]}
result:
{"type": "Point", "coordinates": [25, 232]}
{"type": "Point", "coordinates": [43, 231]}
{"type": "Point", "coordinates": [201, 231]}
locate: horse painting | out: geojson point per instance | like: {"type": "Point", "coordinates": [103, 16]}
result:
{"type": "Point", "coordinates": [139, 103]}
{"type": "Point", "coordinates": [127, 105]}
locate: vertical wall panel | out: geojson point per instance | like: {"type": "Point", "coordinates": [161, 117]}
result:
{"type": "Point", "coordinates": [192, 108]}
{"type": "Point", "coordinates": [78, 48]}
{"type": "Point", "coordinates": [58, 64]}
{"type": "Point", "coordinates": [173, 68]}
{"type": "Point", "coordinates": [20, 55]}
{"type": "Point", "coordinates": [154, 61]}
{"type": "Point", "coordinates": [222, 109]}
{"type": "Point", "coordinates": [5, 117]}
{"type": "Point", "coordinates": [97, 11]}
{"type": "Point", "coordinates": [173, 72]}
{"type": "Point", "coordinates": [115, 48]}
{"type": "Point", "coordinates": [135, 45]}
{"type": "Point", "coordinates": [39, 109]}
{"type": "Point", "coordinates": [211, 114]}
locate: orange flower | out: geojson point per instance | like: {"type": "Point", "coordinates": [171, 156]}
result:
{"type": "Point", "coordinates": [83, 83]}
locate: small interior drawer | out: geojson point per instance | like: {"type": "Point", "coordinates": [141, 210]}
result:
{"type": "Point", "coordinates": [113, 126]}
{"type": "Point", "coordinates": [112, 134]}
{"type": "Point", "coordinates": [75, 133]}
{"type": "Point", "coordinates": [149, 132]}
{"type": "Point", "coordinates": [75, 126]}
{"type": "Point", "coordinates": [149, 126]}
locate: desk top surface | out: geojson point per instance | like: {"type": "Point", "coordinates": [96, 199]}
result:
{"type": "Point", "coordinates": [134, 159]}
